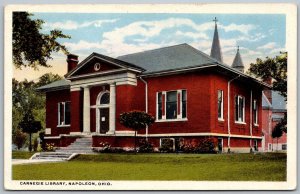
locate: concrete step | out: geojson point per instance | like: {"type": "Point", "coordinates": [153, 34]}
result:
{"type": "Point", "coordinates": [53, 156]}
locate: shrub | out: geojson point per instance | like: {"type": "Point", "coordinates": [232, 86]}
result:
{"type": "Point", "coordinates": [50, 147]}
{"type": "Point", "coordinates": [206, 145]}
{"type": "Point", "coordinates": [145, 146]}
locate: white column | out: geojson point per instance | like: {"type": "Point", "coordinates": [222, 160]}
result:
{"type": "Point", "coordinates": [86, 110]}
{"type": "Point", "coordinates": [112, 109]}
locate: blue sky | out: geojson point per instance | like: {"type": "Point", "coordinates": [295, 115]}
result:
{"type": "Point", "coordinates": [258, 35]}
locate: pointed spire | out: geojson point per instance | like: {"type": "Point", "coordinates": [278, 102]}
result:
{"type": "Point", "coordinates": [216, 48]}
{"type": "Point", "coordinates": [237, 62]}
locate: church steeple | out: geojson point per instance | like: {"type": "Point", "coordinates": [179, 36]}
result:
{"type": "Point", "coordinates": [216, 48]}
{"type": "Point", "coordinates": [237, 62]}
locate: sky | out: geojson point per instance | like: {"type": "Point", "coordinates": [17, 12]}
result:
{"type": "Point", "coordinates": [257, 35]}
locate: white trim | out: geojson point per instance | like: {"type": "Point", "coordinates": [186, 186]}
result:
{"type": "Point", "coordinates": [222, 105]}
{"type": "Point", "coordinates": [179, 104]}
{"type": "Point", "coordinates": [73, 89]}
{"type": "Point", "coordinates": [256, 112]}
{"type": "Point", "coordinates": [48, 131]}
{"type": "Point", "coordinates": [241, 123]}
{"type": "Point", "coordinates": [250, 126]}
{"type": "Point", "coordinates": [240, 120]}
{"type": "Point", "coordinates": [63, 125]}
{"type": "Point", "coordinates": [164, 94]}
{"type": "Point", "coordinates": [170, 120]}
{"type": "Point", "coordinates": [89, 58]}
{"type": "Point", "coordinates": [119, 79]}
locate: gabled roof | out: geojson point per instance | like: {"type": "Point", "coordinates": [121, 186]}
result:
{"type": "Point", "coordinates": [114, 61]}
{"type": "Point", "coordinates": [169, 58]}
{"type": "Point", "coordinates": [278, 102]}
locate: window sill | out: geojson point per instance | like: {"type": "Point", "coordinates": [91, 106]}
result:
{"type": "Point", "coordinates": [221, 120]}
{"type": "Point", "coordinates": [63, 125]}
{"type": "Point", "coordinates": [241, 123]}
{"type": "Point", "coordinates": [256, 125]}
{"type": "Point", "coordinates": [170, 120]}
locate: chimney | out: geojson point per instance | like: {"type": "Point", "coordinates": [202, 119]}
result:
{"type": "Point", "coordinates": [72, 61]}
{"type": "Point", "coordinates": [268, 92]}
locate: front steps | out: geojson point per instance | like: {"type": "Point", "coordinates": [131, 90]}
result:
{"type": "Point", "coordinates": [80, 146]}
{"type": "Point", "coordinates": [53, 156]}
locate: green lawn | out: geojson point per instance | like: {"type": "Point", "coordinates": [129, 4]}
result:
{"type": "Point", "coordinates": [22, 154]}
{"type": "Point", "coordinates": [238, 167]}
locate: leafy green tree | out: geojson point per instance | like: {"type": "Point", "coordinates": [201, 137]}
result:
{"type": "Point", "coordinates": [30, 125]}
{"type": "Point", "coordinates": [19, 138]}
{"type": "Point", "coordinates": [27, 101]}
{"type": "Point", "coordinates": [31, 47]}
{"type": "Point", "coordinates": [136, 120]}
{"type": "Point", "coordinates": [275, 68]}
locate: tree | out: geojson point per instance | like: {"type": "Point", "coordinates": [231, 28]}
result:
{"type": "Point", "coordinates": [275, 68]}
{"type": "Point", "coordinates": [27, 101]}
{"type": "Point", "coordinates": [29, 125]}
{"type": "Point", "coordinates": [31, 47]}
{"type": "Point", "coordinates": [136, 120]}
{"type": "Point", "coordinates": [277, 132]}
{"type": "Point", "coordinates": [19, 138]}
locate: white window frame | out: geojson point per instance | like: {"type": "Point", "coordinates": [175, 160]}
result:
{"type": "Point", "coordinates": [222, 105]}
{"type": "Point", "coordinates": [179, 114]}
{"type": "Point", "coordinates": [240, 120]}
{"type": "Point", "coordinates": [255, 109]}
{"type": "Point", "coordinates": [62, 123]}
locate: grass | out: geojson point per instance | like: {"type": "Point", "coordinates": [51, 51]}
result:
{"type": "Point", "coordinates": [22, 154]}
{"type": "Point", "coordinates": [217, 167]}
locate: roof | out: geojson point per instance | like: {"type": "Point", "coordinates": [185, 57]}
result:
{"type": "Point", "coordinates": [57, 85]}
{"type": "Point", "coordinates": [107, 58]}
{"type": "Point", "coordinates": [278, 101]}
{"type": "Point", "coordinates": [164, 60]}
{"type": "Point", "coordinates": [215, 47]}
{"type": "Point", "coordinates": [265, 102]}
{"type": "Point", "coordinates": [168, 58]}
{"type": "Point", "coordinates": [237, 62]}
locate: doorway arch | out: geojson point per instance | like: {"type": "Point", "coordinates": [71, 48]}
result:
{"type": "Point", "coordinates": [102, 112]}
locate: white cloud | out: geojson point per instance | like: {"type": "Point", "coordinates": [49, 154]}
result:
{"type": "Point", "coordinates": [270, 45]}
{"type": "Point", "coordinates": [243, 28]}
{"type": "Point", "coordinates": [72, 25]}
{"type": "Point", "coordinates": [194, 35]}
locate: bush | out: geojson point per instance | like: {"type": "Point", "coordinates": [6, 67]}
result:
{"type": "Point", "coordinates": [145, 146]}
{"type": "Point", "coordinates": [50, 147]}
{"type": "Point", "coordinates": [167, 145]}
{"type": "Point", "coordinates": [206, 145]}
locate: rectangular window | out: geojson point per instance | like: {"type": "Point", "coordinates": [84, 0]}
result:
{"type": "Point", "coordinates": [220, 104]}
{"type": "Point", "coordinates": [183, 103]}
{"type": "Point", "coordinates": [64, 113]}
{"type": "Point", "coordinates": [283, 147]}
{"type": "Point", "coordinates": [159, 105]}
{"type": "Point", "coordinates": [255, 112]}
{"type": "Point", "coordinates": [255, 145]}
{"type": "Point", "coordinates": [172, 106]}
{"type": "Point", "coordinates": [240, 109]}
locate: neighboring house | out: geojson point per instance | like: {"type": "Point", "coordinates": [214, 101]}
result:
{"type": "Point", "coordinates": [274, 108]}
{"type": "Point", "coordinates": [190, 94]}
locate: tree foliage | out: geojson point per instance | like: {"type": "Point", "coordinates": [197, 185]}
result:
{"type": "Point", "coordinates": [31, 47]}
{"type": "Point", "coordinates": [136, 120]}
{"type": "Point", "coordinates": [275, 68]}
{"type": "Point", "coordinates": [26, 101]}
{"type": "Point", "coordinates": [19, 138]}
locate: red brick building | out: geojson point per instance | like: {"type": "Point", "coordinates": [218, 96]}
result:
{"type": "Point", "coordinates": [190, 94]}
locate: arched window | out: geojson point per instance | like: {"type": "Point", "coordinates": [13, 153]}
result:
{"type": "Point", "coordinates": [104, 98]}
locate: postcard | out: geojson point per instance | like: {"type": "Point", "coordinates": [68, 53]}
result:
{"type": "Point", "coordinates": [150, 97]}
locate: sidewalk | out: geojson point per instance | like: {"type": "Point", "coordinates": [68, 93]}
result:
{"type": "Point", "coordinates": [27, 161]}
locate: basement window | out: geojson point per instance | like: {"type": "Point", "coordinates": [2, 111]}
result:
{"type": "Point", "coordinates": [64, 114]}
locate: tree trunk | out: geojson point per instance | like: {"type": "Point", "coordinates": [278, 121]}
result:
{"type": "Point", "coordinates": [277, 143]}
{"type": "Point", "coordinates": [30, 146]}
{"type": "Point", "coordinates": [135, 141]}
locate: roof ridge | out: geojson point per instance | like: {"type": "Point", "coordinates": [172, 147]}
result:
{"type": "Point", "coordinates": [152, 50]}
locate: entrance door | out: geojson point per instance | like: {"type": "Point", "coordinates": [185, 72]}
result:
{"type": "Point", "coordinates": [220, 145]}
{"type": "Point", "coordinates": [104, 120]}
